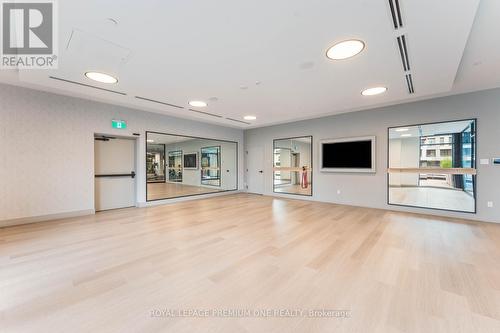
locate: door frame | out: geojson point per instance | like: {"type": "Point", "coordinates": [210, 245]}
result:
{"type": "Point", "coordinates": [136, 162]}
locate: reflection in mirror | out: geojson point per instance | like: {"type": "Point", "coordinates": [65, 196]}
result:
{"type": "Point", "coordinates": [292, 173]}
{"type": "Point", "coordinates": [155, 163]}
{"type": "Point", "coordinates": [175, 165]}
{"type": "Point", "coordinates": [433, 166]}
{"type": "Point", "coordinates": [210, 166]}
{"type": "Point", "coordinates": [179, 166]}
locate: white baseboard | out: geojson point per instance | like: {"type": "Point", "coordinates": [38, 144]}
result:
{"type": "Point", "coordinates": [42, 218]}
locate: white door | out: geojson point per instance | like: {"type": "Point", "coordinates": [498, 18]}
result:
{"type": "Point", "coordinates": [255, 170]}
{"type": "Point", "coordinates": [229, 170]}
{"type": "Point", "coordinates": [114, 165]}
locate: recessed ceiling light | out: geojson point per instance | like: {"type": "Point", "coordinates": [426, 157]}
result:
{"type": "Point", "coordinates": [198, 104]}
{"type": "Point", "coordinates": [405, 135]}
{"type": "Point", "coordinates": [374, 91]}
{"type": "Point", "coordinates": [402, 129]}
{"type": "Point", "coordinates": [150, 141]}
{"type": "Point", "coordinates": [101, 77]}
{"type": "Point", "coordinates": [249, 117]}
{"type": "Point", "coordinates": [345, 49]}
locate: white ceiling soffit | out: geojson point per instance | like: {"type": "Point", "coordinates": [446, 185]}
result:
{"type": "Point", "coordinates": [271, 63]}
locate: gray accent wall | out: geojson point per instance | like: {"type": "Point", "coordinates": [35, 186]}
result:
{"type": "Point", "coordinates": [370, 190]}
{"type": "Point", "coordinates": [47, 150]}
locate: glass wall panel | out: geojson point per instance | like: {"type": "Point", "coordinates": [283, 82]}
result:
{"type": "Point", "coordinates": [192, 166]}
{"type": "Point", "coordinates": [292, 172]}
{"type": "Point", "coordinates": [433, 165]}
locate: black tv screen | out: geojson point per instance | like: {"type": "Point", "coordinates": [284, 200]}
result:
{"type": "Point", "coordinates": [347, 155]}
{"type": "Point", "coordinates": [190, 161]}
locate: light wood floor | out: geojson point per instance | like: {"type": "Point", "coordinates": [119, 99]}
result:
{"type": "Point", "coordinates": [394, 272]}
{"type": "Point", "coordinates": [172, 190]}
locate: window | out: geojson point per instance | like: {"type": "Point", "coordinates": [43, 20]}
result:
{"type": "Point", "coordinates": [445, 152]}
{"type": "Point", "coordinates": [431, 153]}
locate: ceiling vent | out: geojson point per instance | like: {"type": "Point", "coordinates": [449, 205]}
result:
{"type": "Point", "coordinates": [403, 51]}
{"type": "Point", "coordinates": [159, 102]}
{"type": "Point", "coordinates": [238, 121]}
{"type": "Point", "coordinates": [206, 113]}
{"type": "Point", "coordinates": [409, 82]}
{"type": "Point", "coordinates": [87, 85]}
{"type": "Point", "coordinates": [396, 14]}
{"type": "Point", "coordinates": [402, 43]}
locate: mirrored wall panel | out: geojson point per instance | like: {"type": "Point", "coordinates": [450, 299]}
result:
{"type": "Point", "coordinates": [433, 166]}
{"type": "Point", "coordinates": [292, 172]}
{"type": "Point", "coordinates": [179, 166]}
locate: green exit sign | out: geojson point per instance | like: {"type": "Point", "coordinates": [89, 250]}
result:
{"type": "Point", "coordinates": [120, 124]}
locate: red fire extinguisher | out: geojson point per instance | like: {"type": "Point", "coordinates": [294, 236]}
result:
{"type": "Point", "coordinates": [304, 183]}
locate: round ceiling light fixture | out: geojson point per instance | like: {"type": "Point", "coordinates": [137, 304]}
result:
{"type": "Point", "coordinates": [198, 104]}
{"type": "Point", "coordinates": [345, 49]}
{"type": "Point", "coordinates": [374, 91]}
{"type": "Point", "coordinates": [249, 117]}
{"type": "Point", "coordinates": [101, 77]}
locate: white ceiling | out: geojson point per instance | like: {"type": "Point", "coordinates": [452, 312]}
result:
{"type": "Point", "coordinates": [180, 50]}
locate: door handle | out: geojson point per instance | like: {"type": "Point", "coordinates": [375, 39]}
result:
{"type": "Point", "coordinates": [131, 174]}
{"type": "Point", "coordinates": [260, 171]}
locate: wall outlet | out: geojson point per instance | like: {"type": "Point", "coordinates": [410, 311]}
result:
{"type": "Point", "coordinates": [490, 204]}
{"type": "Point", "coordinates": [338, 192]}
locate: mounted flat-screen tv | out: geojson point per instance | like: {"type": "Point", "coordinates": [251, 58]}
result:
{"type": "Point", "coordinates": [191, 161]}
{"type": "Point", "coordinates": [348, 155]}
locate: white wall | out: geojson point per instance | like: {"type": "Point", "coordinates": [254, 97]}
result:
{"type": "Point", "coordinates": [370, 190]}
{"type": "Point", "coordinates": [47, 149]}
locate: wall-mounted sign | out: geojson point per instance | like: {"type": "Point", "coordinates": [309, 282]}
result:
{"type": "Point", "coordinates": [496, 161]}
{"type": "Point", "coordinates": [120, 124]}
